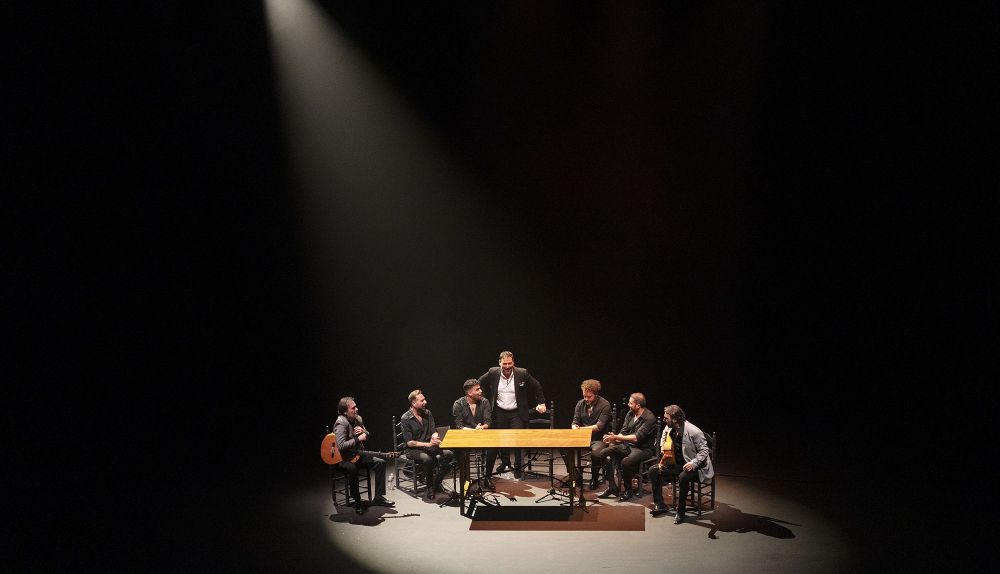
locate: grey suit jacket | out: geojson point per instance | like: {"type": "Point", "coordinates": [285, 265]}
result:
{"type": "Point", "coordinates": [694, 447]}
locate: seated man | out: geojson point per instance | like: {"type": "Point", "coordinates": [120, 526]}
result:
{"type": "Point", "coordinates": [423, 442]}
{"type": "Point", "coordinates": [632, 445]}
{"type": "Point", "coordinates": [351, 435]}
{"type": "Point", "coordinates": [682, 441]}
{"type": "Point", "coordinates": [473, 412]}
{"type": "Point", "coordinates": [592, 412]}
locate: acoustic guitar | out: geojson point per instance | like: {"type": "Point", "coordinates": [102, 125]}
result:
{"type": "Point", "coordinates": [330, 454]}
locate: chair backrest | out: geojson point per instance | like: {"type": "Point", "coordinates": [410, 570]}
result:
{"type": "Point", "coordinates": [548, 419]}
{"type": "Point", "coordinates": [624, 411]}
{"type": "Point", "coordinates": [398, 444]}
{"type": "Point", "coordinates": [657, 443]}
{"type": "Point", "coordinates": [713, 451]}
{"type": "Point", "coordinates": [328, 431]}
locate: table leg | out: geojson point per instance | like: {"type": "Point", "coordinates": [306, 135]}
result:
{"type": "Point", "coordinates": [464, 482]}
{"type": "Point", "coordinates": [572, 477]}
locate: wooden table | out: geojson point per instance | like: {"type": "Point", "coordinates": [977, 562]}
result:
{"type": "Point", "coordinates": [570, 439]}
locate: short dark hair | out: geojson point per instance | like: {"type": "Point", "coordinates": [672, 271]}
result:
{"type": "Point", "coordinates": [506, 354]}
{"type": "Point", "coordinates": [468, 385]}
{"type": "Point", "coordinates": [413, 395]}
{"type": "Point", "coordinates": [639, 398]}
{"type": "Point", "coordinates": [344, 404]}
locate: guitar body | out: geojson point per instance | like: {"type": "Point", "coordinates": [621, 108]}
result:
{"type": "Point", "coordinates": [331, 455]}
{"type": "Point", "coordinates": [328, 450]}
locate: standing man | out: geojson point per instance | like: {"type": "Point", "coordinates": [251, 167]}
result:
{"type": "Point", "coordinates": [632, 445]}
{"type": "Point", "coordinates": [514, 394]}
{"type": "Point", "coordinates": [593, 412]}
{"type": "Point", "coordinates": [682, 441]}
{"type": "Point", "coordinates": [473, 412]}
{"type": "Point", "coordinates": [351, 435]}
{"type": "Point", "coordinates": [423, 443]}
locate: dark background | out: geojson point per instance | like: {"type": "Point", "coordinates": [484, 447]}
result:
{"type": "Point", "coordinates": [766, 213]}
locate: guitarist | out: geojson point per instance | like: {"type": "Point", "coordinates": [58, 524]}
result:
{"type": "Point", "coordinates": [351, 435]}
{"type": "Point", "coordinates": [686, 458]}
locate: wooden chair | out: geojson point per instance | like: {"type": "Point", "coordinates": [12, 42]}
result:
{"type": "Point", "coordinates": [408, 470]}
{"type": "Point", "coordinates": [531, 455]}
{"type": "Point", "coordinates": [340, 480]}
{"type": "Point", "coordinates": [701, 493]}
{"type": "Point", "coordinates": [646, 464]}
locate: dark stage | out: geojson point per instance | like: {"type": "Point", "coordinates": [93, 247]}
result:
{"type": "Point", "coordinates": [228, 217]}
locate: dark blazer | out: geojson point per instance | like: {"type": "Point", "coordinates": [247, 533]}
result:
{"type": "Point", "coordinates": [527, 390]}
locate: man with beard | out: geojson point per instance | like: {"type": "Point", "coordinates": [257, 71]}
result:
{"type": "Point", "coordinates": [685, 458]}
{"type": "Point", "coordinates": [473, 412]}
{"type": "Point", "coordinates": [351, 435]}
{"type": "Point", "coordinates": [592, 412]}
{"type": "Point", "coordinates": [514, 394]}
{"type": "Point", "coordinates": [631, 445]}
{"type": "Point", "coordinates": [423, 443]}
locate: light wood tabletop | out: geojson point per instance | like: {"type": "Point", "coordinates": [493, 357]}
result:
{"type": "Point", "coordinates": [517, 438]}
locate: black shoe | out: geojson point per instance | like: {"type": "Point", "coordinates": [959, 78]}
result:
{"type": "Point", "coordinates": [503, 468]}
{"type": "Point", "coordinates": [383, 501]}
{"type": "Point", "coordinates": [659, 509]}
{"type": "Point", "coordinates": [517, 474]}
{"type": "Point", "coordinates": [679, 518]}
{"type": "Point", "coordinates": [487, 484]}
{"type": "Point", "coordinates": [594, 482]}
{"type": "Point", "coordinates": [609, 493]}
{"type": "Point", "coordinates": [627, 495]}
{"type": "Point", "coordinates": [359, 508]}
{"type": "Point", "coordinates": [430, 495]}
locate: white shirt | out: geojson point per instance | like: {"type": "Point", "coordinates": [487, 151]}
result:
{"type": "Point", "coordinates": [505, 392]}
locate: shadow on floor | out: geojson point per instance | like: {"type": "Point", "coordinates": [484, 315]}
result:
{"type": "Point", "coordinates": [727, 518]}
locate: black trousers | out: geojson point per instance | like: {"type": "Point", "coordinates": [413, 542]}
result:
{"type": "Point", "coordinates": [375, 465]}
{"type": "Point", "coordinates": [505, 420]}
{"type": "Point", "coordinates": [489, 462]}
{"type": "Point", "coordinates": [595, 458]}
{"type": "Point", "coordinates": [429, 458]}
{"type": "Point", "coordinates": [672, 472]}
{"type": "Point", "coordinates": [630, 458]}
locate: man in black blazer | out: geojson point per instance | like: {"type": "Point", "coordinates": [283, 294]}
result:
{"type": "Point", "coordinates": [514, 395]}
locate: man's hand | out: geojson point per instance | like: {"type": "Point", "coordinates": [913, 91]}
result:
{"type": "Point", "coordinates": [541, 408]}
{"type": "Point", "coordinates": [689, 466]}
{"type": "Point", "coordinates": [574, 426]}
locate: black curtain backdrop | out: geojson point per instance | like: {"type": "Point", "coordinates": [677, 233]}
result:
{"type": "Point", "coordinates": [758, 212]}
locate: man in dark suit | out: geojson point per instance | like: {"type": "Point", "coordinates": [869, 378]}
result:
{"type": "Point", "coordinates": [514, 395]}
